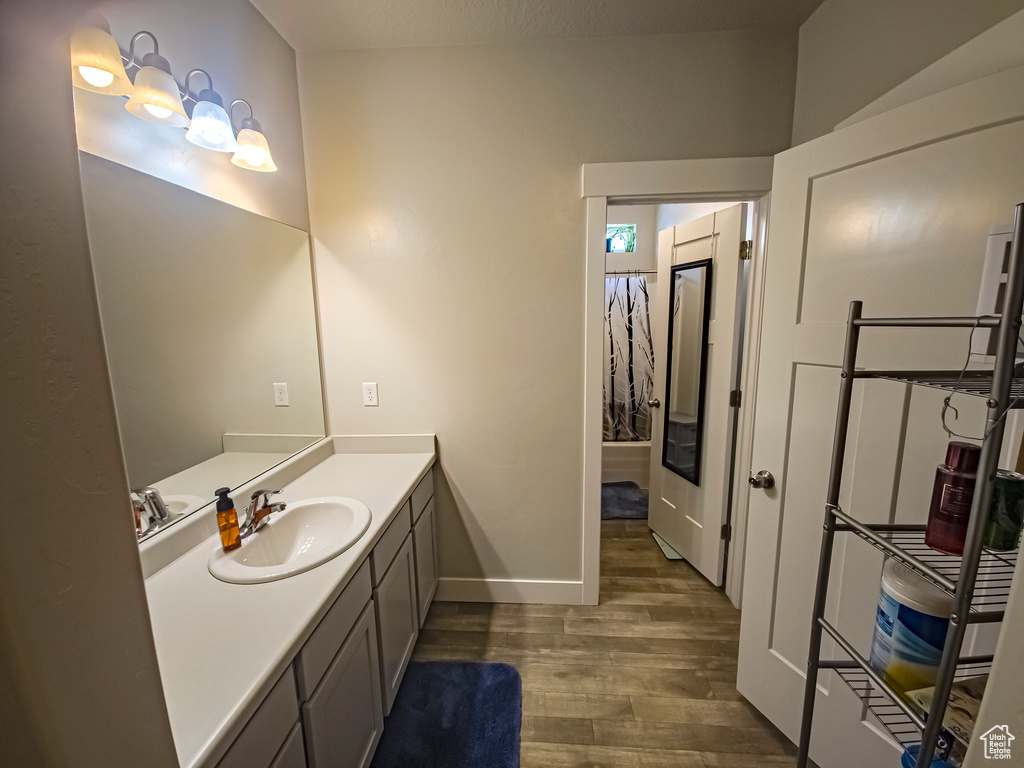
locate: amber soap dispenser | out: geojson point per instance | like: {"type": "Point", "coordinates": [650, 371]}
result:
{"type": "Point", "coordinates": [227, 521]}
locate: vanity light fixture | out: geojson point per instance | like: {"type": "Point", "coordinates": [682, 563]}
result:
{"type": "Point", "coordinates": [211, 126]}
{"type": "Point", "coordinates": [156, 97]}
{"type": "Point", "coordinates": [96, 63]}
{"type": "Point", "coordinates": [253, 150]}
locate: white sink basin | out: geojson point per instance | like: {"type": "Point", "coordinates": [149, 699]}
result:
{"type": "Point", "coordinates": [307, 534]}
{"type": "Point", "coordinates": [183, 504]}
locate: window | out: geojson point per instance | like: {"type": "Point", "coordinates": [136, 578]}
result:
{"type": "Point", "coordinates": [621, 238]}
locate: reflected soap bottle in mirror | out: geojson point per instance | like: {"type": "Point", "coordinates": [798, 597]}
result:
{"type": "Point", "coordinates": [227, 521]}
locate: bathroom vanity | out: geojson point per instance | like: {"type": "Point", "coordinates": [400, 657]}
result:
{"type": "Point", "coordinates": [301, 671]}
{"type": "Point", "coordinates": [215, 366]}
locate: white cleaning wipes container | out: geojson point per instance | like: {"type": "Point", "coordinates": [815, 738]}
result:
{"type": "Point", "coordinates": [910, 628]}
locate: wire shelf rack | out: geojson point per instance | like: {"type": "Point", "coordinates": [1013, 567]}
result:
{"type": "Point", "coordinates": [995, 571]}
{"type": "Point", "coordinates": [906, 544]}
{"type": "Point", "coordinates": [890, 716]}
{"type": "Point", "coordinates": [977, 383]}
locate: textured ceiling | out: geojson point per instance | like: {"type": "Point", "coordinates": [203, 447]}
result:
{"type": "Point", "coordinates": [310, 25]}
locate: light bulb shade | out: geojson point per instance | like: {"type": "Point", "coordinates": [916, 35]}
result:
{"type": "Point", "coordinates": [96, 63]}
{"type": "Point", "coordinates": [253, 152]}
{"type": "Point", "coordinates": [156, 98]}
{"type": "Point", "coordinates": [211, 128]}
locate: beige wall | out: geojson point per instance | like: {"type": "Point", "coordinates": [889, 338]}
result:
{"type": "Point", "coordinates": [204, 307]}
{"type": "Point", "coordinates": [79, 684]}
{"type": "Point", "coordinates": [444, 188]}
{"type": "Point", "coordinates": [674, 214]}
{"type": "Point", "coordinates": [853, 51]}
{"type": "Point", "coordinates": [247, 59]}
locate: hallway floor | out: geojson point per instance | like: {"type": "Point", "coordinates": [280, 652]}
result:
{"type": "Point", "coordinates": [646, 679]}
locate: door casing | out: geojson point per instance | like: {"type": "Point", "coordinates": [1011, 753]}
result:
{"type": "Point", "coordinates": [726, 179]}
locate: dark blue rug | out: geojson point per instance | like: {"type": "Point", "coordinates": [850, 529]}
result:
{"type": "Point", "coordinates": [623, 501]}
{"type": "Point", "coordinates": [454, 714]}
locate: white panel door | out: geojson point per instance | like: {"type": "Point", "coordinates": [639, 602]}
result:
{"type": "Point", "coordinates": [687, 515]}
{"type": "Point", "coordinates": [893, 211]}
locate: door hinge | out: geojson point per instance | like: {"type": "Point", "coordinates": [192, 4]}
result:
{"type": "Point", "coordinates": [727, 532]}
{"type": "Point", "coordinates": [735, 398]}
{"type": "Point", "coordinates": [746, 250]}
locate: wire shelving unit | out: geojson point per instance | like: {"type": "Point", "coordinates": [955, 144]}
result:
{"type": "Point", "coordinates": [979, 581]}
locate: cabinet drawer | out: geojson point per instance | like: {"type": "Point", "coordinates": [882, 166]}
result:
{"type": "Point", "coordinates": [293, 753]}
{"type": "Point", "coordinates": [397, 621]}
{"type": "Point", "coordinates": [389, 544]}
{"type": "Point", "coordinates": [323, 644]}
{"type": "Point", "coordinates": [261, 739]}
{"type": "Point", "coordinates": [424, 492]}
{"type": "Point", "coordinates": [343, 718]}
{"type": "Point", "coordinates": [424, 539]}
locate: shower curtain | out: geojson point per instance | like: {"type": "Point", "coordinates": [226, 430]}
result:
{"type": "Point", "coordinates": [629, 359]}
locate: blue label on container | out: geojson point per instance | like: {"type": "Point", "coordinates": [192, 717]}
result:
{"type": "Point", "coordinates": [907, 644]}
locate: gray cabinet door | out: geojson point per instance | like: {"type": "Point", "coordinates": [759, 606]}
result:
{"type": "Point", "coordinates": [293, 753]}
{"type": "Point", "coordinates": [269, 727]}
{"type": "Point", "coordinates": [425, 541]}
{"type": "Point", "coordinates": [397, 620]}
{"type": "Point", "coordinates": [343, 718]}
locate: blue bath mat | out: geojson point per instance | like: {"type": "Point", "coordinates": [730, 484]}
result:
{"type": "Point", "coordinates": [454, 714]}
{"type": "Point", "coordinates": [623, 501]}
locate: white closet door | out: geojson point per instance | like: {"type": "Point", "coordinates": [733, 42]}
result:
{"type": "Point", "coordinates": [894, 211]}
{"type": "Point", "coordinates": [687, 515]}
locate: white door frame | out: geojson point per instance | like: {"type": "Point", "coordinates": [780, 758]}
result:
{"type": "Point", "coordinates": [727, 179]}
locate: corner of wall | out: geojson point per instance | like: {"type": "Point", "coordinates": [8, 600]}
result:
{"type": "Point", "coordinates": [78, 650]}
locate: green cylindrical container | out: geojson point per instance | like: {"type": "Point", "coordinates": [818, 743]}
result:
{"type": "Point", "coordinates": [1005, 512]}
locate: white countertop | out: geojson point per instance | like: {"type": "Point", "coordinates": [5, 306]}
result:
{"type": "Point", "coordinates": [231, 468]}
{"type": "Point", "coordinates": [221, 647]}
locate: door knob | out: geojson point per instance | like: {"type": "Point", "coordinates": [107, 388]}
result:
{"type": "Point", "coordinates": [763, 479]}
{"type": "Point", "coordinates": [654, 403]}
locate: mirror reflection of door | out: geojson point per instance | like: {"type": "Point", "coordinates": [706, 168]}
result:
{"type": "Point", "coordinates": [690, 304]}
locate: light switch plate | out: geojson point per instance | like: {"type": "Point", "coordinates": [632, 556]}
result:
{"type": "Point", "coordinates": [280, 395]}
{"type": "Point", "coordinates": [370, 394]}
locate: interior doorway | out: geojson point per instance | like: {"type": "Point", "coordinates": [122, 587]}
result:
{"type": "Point", "coordinates": [671, 373]}
{"type": "Point", "coordinates": [623, 285]}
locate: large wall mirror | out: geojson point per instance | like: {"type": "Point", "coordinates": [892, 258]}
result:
{"type": "Point", "coordinates": [686, 372]}
{"type": "Point", "coordinates": [206, 309]}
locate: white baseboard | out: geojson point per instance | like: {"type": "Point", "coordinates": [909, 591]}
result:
{"type": "Point", "coordinates": [510, 591]}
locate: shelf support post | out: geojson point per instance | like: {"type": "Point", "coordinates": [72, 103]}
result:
{"type": "Point", "coordinates": [988, 464]}
{"type": "Point", "coordinates": [828, 535]}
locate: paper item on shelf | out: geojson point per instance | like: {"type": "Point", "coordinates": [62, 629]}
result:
{"type": "Point", "coordinates": [921, 699]}
{"type": "Point", "coordinates": [964, 703]}
{"type": "Point", "coordinates": [962, 709]}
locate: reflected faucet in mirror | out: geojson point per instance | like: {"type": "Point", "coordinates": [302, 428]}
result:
{"type": "Point", "coordinates": [258, 510]}
{"type": "Point", "coordinates": [149, 502]}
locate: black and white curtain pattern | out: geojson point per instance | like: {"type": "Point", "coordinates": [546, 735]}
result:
{"type": "Point", "coordinates": [629, 359]}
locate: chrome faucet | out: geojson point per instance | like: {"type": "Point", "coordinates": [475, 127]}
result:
{"type": "Point", "coordinates": [152, 503]}
{"type": "Point", "coordinates": [258, 510]}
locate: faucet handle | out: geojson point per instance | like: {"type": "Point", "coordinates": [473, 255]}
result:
{"type": "Point", "coordinates": [256, 503]}
{"type": "Point", "coordinates": [258, 514]}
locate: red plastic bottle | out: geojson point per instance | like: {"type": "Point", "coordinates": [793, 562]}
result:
{"type": "Point", "coordinates": [952, 496]}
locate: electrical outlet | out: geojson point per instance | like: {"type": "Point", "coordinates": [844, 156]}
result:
{"type": "Point", "coordinates": [370, 394]}
{"type": "Point", "coordinates": [281, 395]}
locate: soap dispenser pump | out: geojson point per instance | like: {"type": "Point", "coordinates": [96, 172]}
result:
{"type": "Point", "coordinates": [227, 521]}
